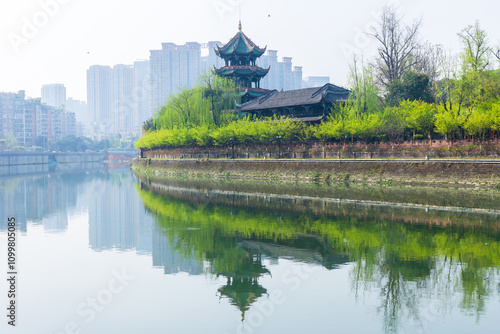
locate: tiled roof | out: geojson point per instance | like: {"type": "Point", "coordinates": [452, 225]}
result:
{"type": "Point", "coordinates": [308, 96]}
{"type": "Point", "coordinates": [240, 44]}
{"type": "Point", "coordinates": [242, 70]}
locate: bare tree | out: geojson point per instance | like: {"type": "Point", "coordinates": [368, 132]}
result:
{"type": "Point", "coordinates": [427, 57]}
{"type": "Point", "coordinates": [496, 52]}
{"type": "Point", "coordinates": [427, 60]}
{"type": "Point", "coordinates": [397, 42]}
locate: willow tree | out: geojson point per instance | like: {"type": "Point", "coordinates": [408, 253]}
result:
{"type": "Point", "coordinates": [209, 104]}
{"type": "Point", "coordinates": [364, 96]}
{"type": "Point", "coordinates": [222, 93]}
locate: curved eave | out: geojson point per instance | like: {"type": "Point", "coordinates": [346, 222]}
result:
{"type": "Point", "coordinates": [240, 45]}
{"type": "Point", "coordinates": [247, 70]}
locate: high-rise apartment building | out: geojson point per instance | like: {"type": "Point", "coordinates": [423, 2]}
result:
{"type": "Point", "coordinates": [79, 108]}
{"type": "Point", "coordinates": [119, 98]}
{"type": "Point", "coordinates": [99, 98]}
{"type": "Point", "coordinates": [297, 77]}
{"type": "Point", "coordinates": [174, 68]}
{"type": "Point", "coordinates": [281, 76]}
{"type": "Point", "coordinates": [14, 119]}
{"type": "Point", "coordinates": [122, 108]}
{"type": "Point", "coordinates": [211, 60]}
{"type": "Point", "coordinates": [269, 59]}
{"type": "Point", "coordinates": [54, 95]}
{"type": "Point", "coordinates": [285, 76]}
{"type": "Point", "coordinates": [142, 94]}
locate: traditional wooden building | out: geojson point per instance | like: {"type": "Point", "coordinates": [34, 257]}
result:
{"type": "Point", "coordinates": [308, 104]}
{"type": "Point", "coordinates": [240, 55]}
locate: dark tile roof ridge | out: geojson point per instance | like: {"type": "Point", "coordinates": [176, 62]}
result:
{"type": "Point", "coordinates": [267, 96]}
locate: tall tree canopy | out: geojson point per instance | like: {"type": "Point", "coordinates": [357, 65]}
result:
{"type": "Point", "coordinates": [396, 45]}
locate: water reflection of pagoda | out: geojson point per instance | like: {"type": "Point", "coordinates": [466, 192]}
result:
{"type": "Point", "coordinates": [240, 55]}
{"type": "Point", "coordinates": [242, 287]}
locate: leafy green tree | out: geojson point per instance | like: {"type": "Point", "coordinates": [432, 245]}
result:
{"type": "Point", "coordinates": [364, 96]}
{"type": "Point", "coordinates": [412, 86]}
{"type": "Point", "coordinates": [365, 127]}
{"type": "Point", "coordinates": [448, 122]}
{"type": "Point", "coordinates": [478, 124]}
{"type": "Point", "coordinates": [495, 115]}
{"type": "Point", "coordinates": [476, 51]}
{"type": "Point", "coordinates": [10, 140]}
{"type": "Point", "coordinates": [323, 132]}
{"type": "Point", "coordinates": [221, 93]}
{"type": "Point", "coordinates": [149, 125]}
{"type": "Point", "coordinates": [393, 123]}
{"type": "Point", "coordinates": [420, 116]}
{"type": "Point", "coordinates": [212, 103]}
{"type": "Point", "coordinates": [201, 135]}
{"type": "Point", "coordinates": [221, 136]}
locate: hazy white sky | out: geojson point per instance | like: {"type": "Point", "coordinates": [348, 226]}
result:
{"type": "Point", "coordinates": [318, 34]}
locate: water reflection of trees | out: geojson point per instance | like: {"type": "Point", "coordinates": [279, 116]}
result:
{"type": "Point", "coordinates": [408, 263]}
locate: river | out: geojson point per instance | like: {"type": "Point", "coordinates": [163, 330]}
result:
{"type": "Point", "coordinates": [106, 251]}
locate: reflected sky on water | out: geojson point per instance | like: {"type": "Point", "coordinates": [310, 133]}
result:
{"type": "Point", "coordinates": [109, 252]}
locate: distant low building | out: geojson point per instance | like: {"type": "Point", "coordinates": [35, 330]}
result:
{"type": "Point", "coordinates": [29, 119]}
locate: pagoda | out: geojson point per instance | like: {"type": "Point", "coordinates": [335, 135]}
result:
{"type": "Point", "coordinates": [240, 55]}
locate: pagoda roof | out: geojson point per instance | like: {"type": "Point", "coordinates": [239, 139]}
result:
{"type": "Point", "coordinates": [254, 92]}
{"type": "Point", "coordinates": [308, 96]}
{"type": "Point", "coordinates": [240, 44]}
{"type": "Point", "coordinates": [242, 70]}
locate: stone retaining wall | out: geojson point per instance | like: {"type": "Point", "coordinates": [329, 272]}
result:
{"type": "Point", "coordinates": [404, 171]}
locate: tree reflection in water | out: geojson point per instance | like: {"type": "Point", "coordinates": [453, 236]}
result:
{"type": "Point", "coordinates": [411, 257]}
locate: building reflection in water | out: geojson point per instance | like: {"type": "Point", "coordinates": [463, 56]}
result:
{"type": "Point", "coordinates": [399, 252]}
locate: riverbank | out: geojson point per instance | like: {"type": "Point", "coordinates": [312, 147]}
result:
{"type": "Point", "coordinates": [465, 172]}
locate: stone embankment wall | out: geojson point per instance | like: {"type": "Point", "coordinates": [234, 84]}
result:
{"type": "Point", "coordinates": [427, 171]}
{"type": "Point", "coordinates": [16, 159]}
{"type": "Point", "coordinates": [35, 158]}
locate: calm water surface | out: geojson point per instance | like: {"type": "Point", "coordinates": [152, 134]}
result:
{"type": "Point", "coordinates": [104, 251]}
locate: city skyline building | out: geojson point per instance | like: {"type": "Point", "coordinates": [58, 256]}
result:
{"type": "Point", "coordinates": [282, 75]}
{"type": "Point", "coordinates": [99, 98]}
{"type": "Point", "coordinates": [30, 122]}
{"type": "Point", "coordinates": [315, 81]}
{"type": "Point", "coordinates": [142, 94]}
{"type": "Point", "coordinates": [211, 61]}
{"type": "Point", "coordinates": [79, 108]}
{"type": "Point", "coordinates": [173, 68]}
{"type": "Point", "coordinates": [122, 110]}
{"type": "Point", "coordinates": [54, 95]}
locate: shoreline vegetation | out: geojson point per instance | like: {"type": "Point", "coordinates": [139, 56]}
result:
{"type": "Point", "coordinates": [424, 94]}
{"type": "Point", "coordinates": [422, 105]}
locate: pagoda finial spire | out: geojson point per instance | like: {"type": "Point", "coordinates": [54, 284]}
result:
{"type": "Point", "coordinates": [239, 26]}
